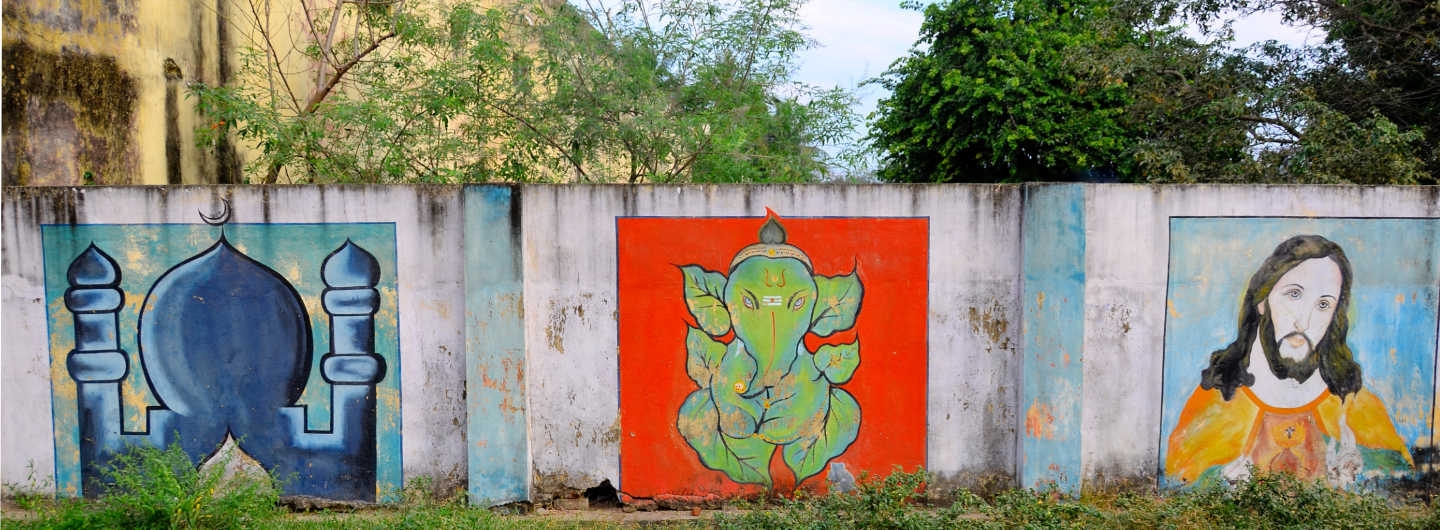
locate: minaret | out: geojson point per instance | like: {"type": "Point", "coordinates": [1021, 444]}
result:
{"type": "Point", "coordinates": [351, 300]}
{"type": "Point", "coordinates": [98, 364]}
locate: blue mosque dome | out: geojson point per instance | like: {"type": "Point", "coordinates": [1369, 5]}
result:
{"type": "Point", "coordinates": [222, 334]}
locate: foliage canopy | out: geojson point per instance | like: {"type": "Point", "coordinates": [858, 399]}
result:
{"type": "Point", "coordinates": [1018, 90]}
{"type": "Point", "coordinates": [449, 91]}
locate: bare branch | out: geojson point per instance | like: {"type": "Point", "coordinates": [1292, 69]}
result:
{"type": "Point", "coordinates": [322, 92]}
{"type": "Point", "coordinates": [1289, 129]}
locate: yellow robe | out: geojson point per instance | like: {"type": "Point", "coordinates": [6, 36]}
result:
{"type": "Point", "coordinates": [1214, 432]}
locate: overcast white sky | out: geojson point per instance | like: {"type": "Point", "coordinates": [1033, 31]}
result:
{"type": "Point", "coordinates": [858, 39]}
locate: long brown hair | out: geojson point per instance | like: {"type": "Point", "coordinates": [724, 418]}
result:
{"type": "Point", "coordinates": [1228, 368]}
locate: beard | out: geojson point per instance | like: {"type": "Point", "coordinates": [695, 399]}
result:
{"type": "Point", "coordinates": [1284, 367]}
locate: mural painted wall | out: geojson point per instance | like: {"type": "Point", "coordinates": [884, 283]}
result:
{"type": "Point", "coordinates": [1302, 345]}
{"type": "Point", "coordinates": [769, 354]}
{"type": "Point", "coordinates": [281, 339]}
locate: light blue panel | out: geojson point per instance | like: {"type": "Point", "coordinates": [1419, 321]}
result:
{"type": "Point", "coordinates": [496, 437]}
{"type": "Point", "coordinates": [145, 252]}
{"type": "Point", "coordinates": [1395, 294]}
{"type": "Point", "coordinates": [1054, 301]}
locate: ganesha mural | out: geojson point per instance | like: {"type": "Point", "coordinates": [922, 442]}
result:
{"type": "Point", "coordinates": [766, 390]}
{"type": "Point", "coordinates": [740, 351]}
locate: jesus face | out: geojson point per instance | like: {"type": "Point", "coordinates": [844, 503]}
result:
{"type": "Point", "coordinates": [1297, 313]}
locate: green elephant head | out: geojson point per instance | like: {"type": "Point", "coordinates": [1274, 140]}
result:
{"type": "Point", "coordinates": [765, 389]}
{"type": "Point", "coordinates": [770, 297]}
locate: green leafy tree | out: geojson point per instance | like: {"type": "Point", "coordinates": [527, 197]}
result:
{"type": "Point", "coordinates": [1016, 90]}
{"type": "Point", "coordinates": [1374, 85]}
{"type": "Point", "coordinates": [442, 91]}
{"type": "Point", "coordinates": [991, 94]}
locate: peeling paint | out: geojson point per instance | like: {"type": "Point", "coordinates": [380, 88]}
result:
{"type": "Point", "coordinates": [992, 324]}
{"type": "Point", "coordinates": [555, 330]}
{"type": "Point", "coordinates": [1040, 421]}
{"type": "Point", "coordinates": [1121, 316]}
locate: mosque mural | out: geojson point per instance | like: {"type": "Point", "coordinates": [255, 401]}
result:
{"type": "Point", "coordinates": [741, 349]}
{"type": "Point", "coordinates": [278, 339]}
{"type": "Point", "coordinates": [1299, 345]}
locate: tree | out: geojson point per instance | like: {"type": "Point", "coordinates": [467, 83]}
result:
{"type": "Point", "coordinates": [1057, 90]}
{"type": "Point", "coordinates": [678, 90]}
{"type": "Point", "coordinates": [990, 94]}
{"type": "Point", "coordinates": [1379, 70]}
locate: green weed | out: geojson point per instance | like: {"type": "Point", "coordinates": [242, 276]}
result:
{"type": "Point", "coordinates": [897, 501]}
{"type": "Point", "coordinates": [1267, 501]}
{"type": "Point", "coordinates": [160, 489]}
{"type": "Point", "coordinates": [151, 488]}
{"type": "Point", "coordinates": [30, 496]}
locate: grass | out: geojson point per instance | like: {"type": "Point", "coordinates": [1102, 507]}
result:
{"type": "Point", "coordinates": [150, 488]}
{"type": "Point", "coordinates": [1275, 501]}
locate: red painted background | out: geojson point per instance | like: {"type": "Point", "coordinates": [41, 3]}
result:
{"type": "Point", "coordinates": [892, 258]}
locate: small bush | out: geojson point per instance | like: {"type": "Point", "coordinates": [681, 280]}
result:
{"type": "Point", "coordinates": [150, 488]}
{"type": "Point", "coordinates": [897, 501]}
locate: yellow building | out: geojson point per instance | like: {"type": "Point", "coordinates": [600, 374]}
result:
{"type": "Point", "coordinates": [95, 91]}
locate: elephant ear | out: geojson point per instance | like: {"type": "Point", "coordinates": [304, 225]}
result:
{"type": "Point", "coordinates": [705, 298]}
{"type": "Point", "coordinates": [837, 303]}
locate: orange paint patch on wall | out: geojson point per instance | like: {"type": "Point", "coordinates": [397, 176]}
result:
{"type": "Point", "coordinates": [891, 256]}
{"type": "Point", "coordinates": [1040, 421]}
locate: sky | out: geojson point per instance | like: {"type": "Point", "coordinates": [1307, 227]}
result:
{"type": "Point", "coordinates": [858, 39]}
{"type": "Point", "coordinates": [855, 40]}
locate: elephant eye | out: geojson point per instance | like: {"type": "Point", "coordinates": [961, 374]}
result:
{"type": "Point", "coordinates": [798, 303]}
{"type": "Point", "coordinates": [749, 302]}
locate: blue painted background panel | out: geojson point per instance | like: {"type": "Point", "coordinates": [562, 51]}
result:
{"type": "Point", "coordinates": [1054, 302]}
{"type": "Point", "coordinates": [496, 438]}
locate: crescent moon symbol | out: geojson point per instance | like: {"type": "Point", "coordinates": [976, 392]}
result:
{"type": "Point", "coordinates": [217, 219]}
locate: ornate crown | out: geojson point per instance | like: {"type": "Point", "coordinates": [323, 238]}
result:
{"type": "Point", "coordinates": [772, 245]}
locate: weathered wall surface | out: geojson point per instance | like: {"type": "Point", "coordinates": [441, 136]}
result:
{"type": "Point", "coordinates": [95, 90]}
{"type": "Point", "coordinates": [1054, 328]}
{"type": "Point", "coordinates": [545, 338]}
{"type": "Point", "coordinates": [496, 436]}
{"type": "Point", "coordinates": [413, 321]}
{"type": "Point", "coordinates": [1165, 272]}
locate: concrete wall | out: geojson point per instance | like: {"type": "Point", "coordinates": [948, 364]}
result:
{"type": "Point", "coordinates": [1133, 242]}
{"type": "Point", "coordinates": [427, 306]}
{"type": "Point", "coordinates": [1059, 329]}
